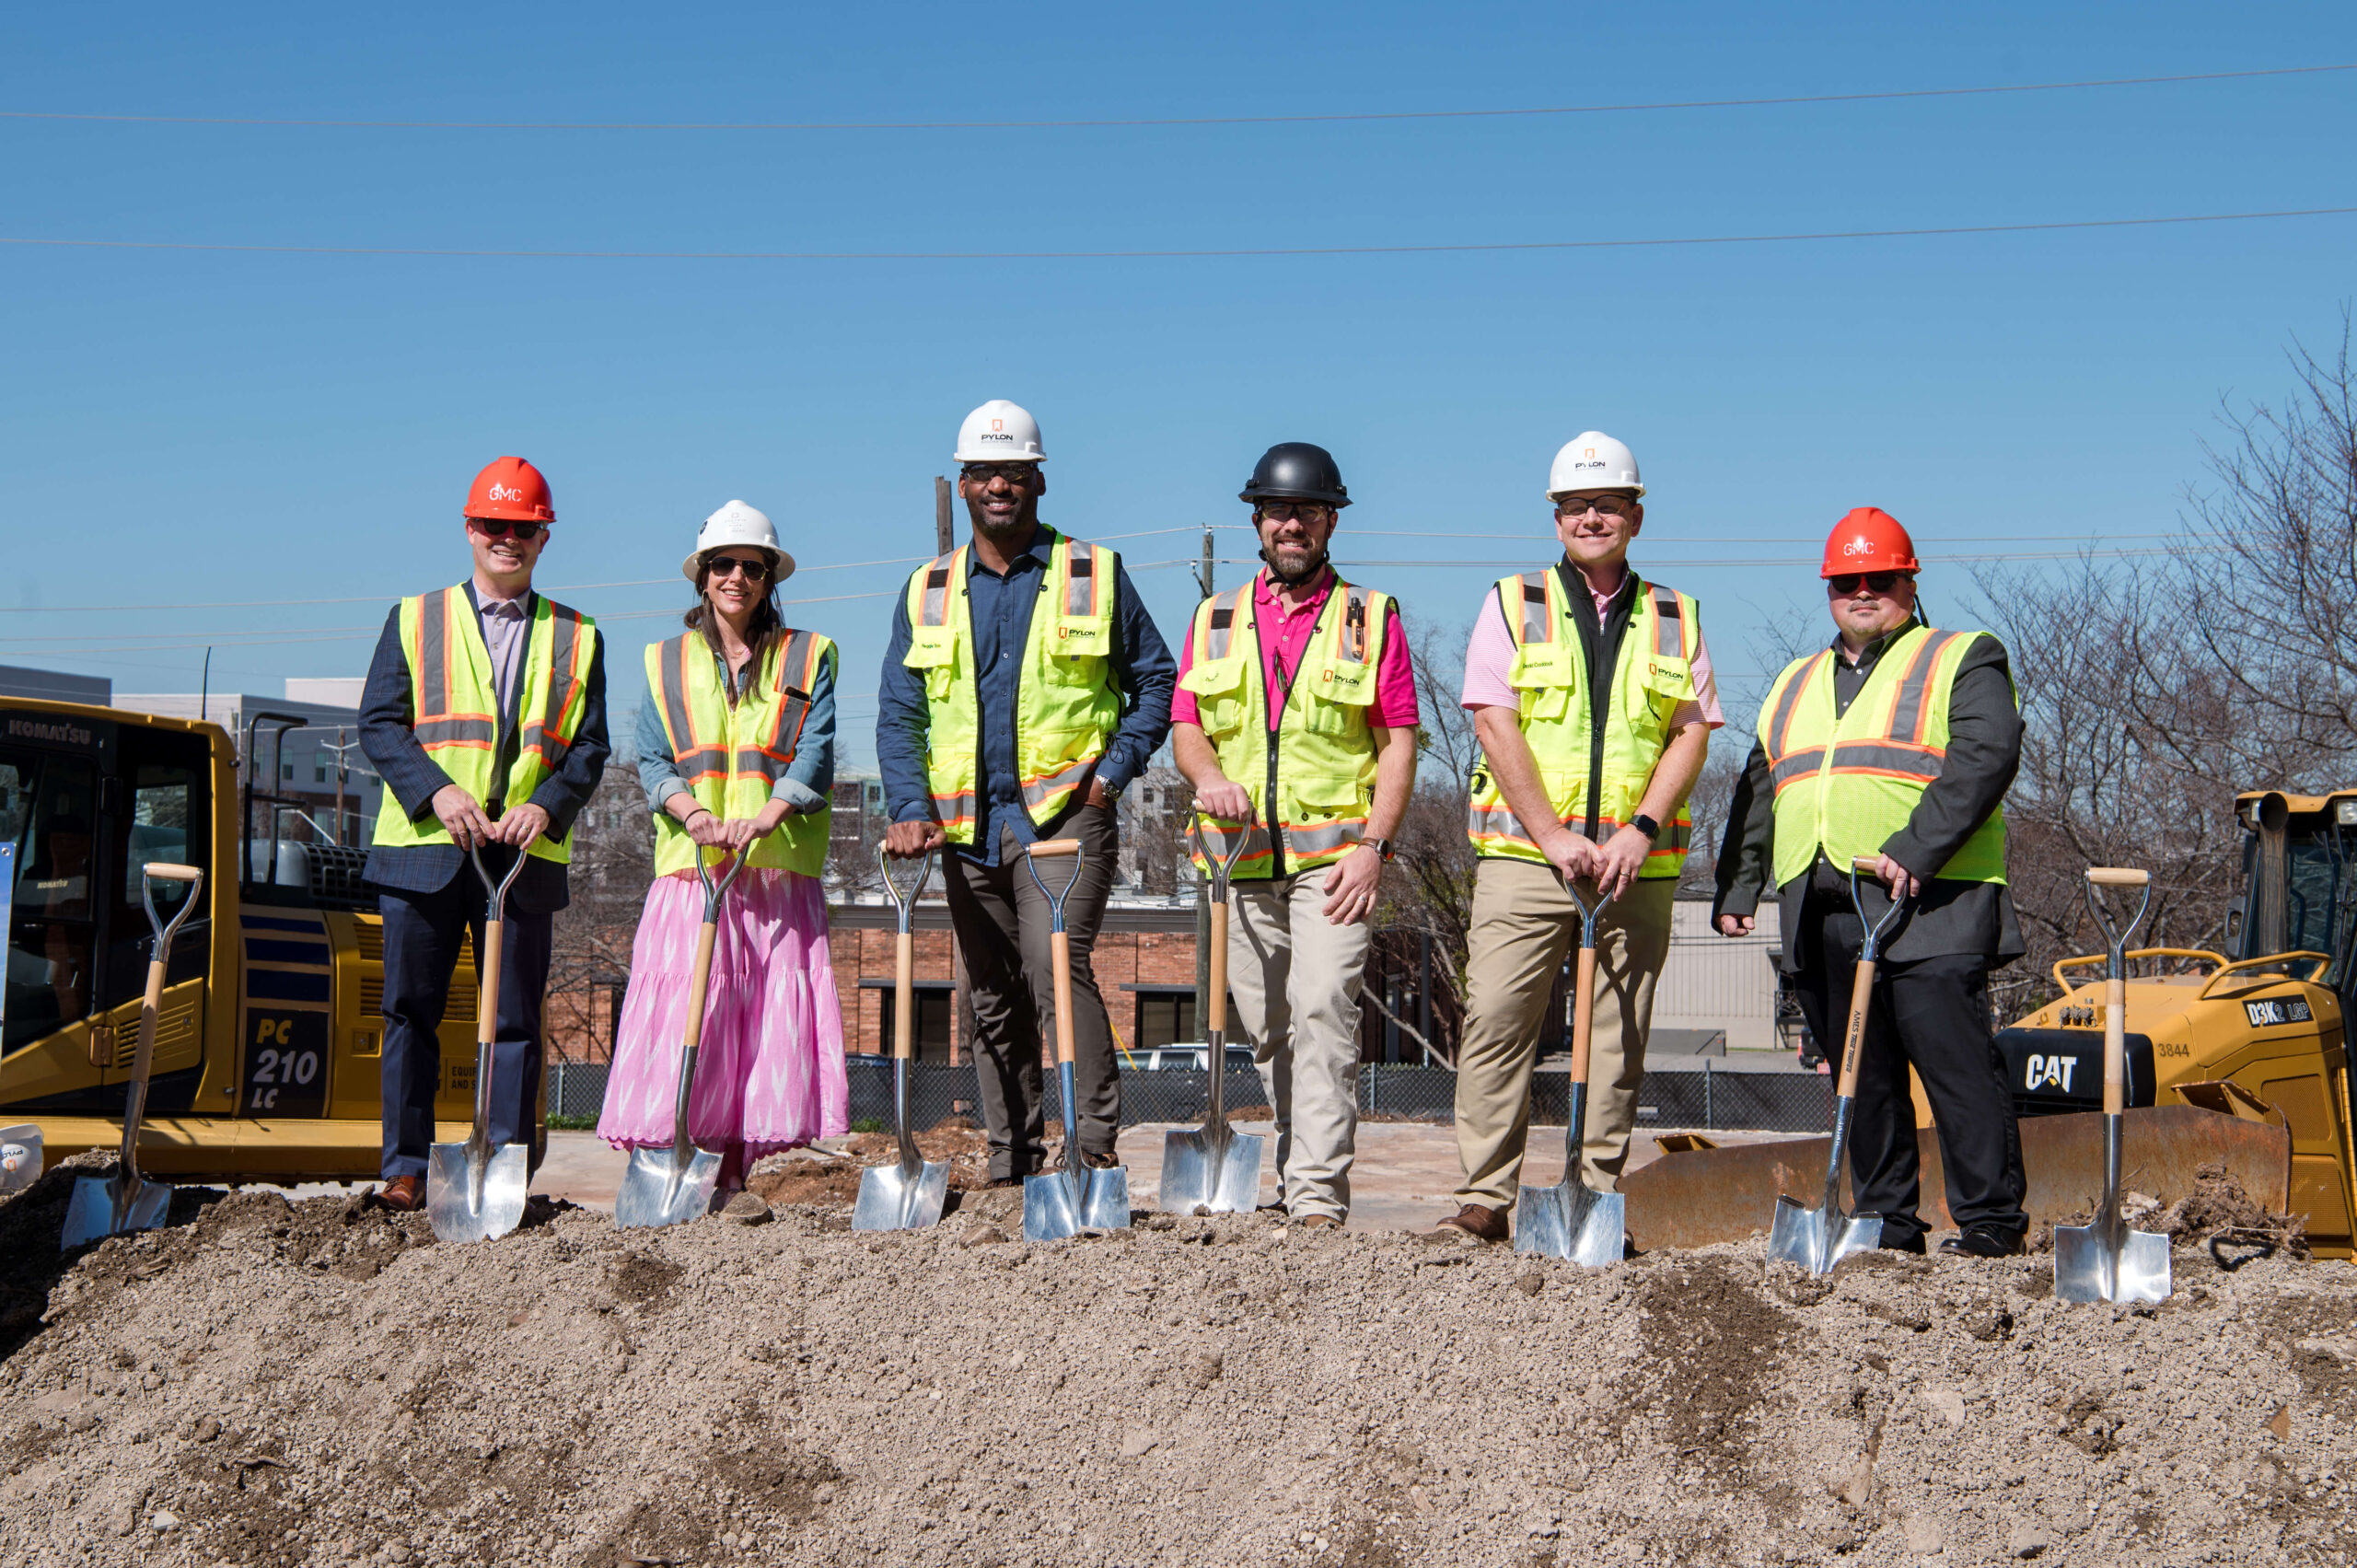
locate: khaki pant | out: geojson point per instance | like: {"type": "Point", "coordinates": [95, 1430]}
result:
{"type": "Point", "coordinates": [1524, 924]}
{"type": "Point", "coordinates": [1296, 981]}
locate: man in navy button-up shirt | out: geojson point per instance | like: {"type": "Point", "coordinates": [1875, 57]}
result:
{"type": "Point", "coordinates": [999, 917]}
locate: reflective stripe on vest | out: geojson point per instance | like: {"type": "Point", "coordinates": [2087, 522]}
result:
{"type": "Point", "coordinates": [1066, 704]}
{"type": "Point", "coordinates": [1325, 749]}
{"type": "Point", "coordinates": [1845, 784]}
{"type": "Point", "coordinates": [1651, 676]}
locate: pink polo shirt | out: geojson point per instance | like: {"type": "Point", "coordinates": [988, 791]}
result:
{"type": "Point", "coordinates": [1395, 680]}
{"type": "Point", "coordinates": [1490, 657]}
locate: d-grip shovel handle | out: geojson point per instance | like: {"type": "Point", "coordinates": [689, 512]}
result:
{"type": "Point", "coordinates": [151, 1004]}
{"type": "Point", "coordinates": [904, 957]}
{"type": "Point", "coordinates": [2115, 998]}
{"type": "Point", "coordinates": [494, 943]}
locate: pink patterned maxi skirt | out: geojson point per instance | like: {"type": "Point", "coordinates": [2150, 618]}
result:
{"type": "Point", "coordinates": [771, 1073]}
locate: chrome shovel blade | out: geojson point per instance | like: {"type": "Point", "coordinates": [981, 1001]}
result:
{"type": "Point", "coordinates": [1105, 1201]}
{"type": "Point", "coordinates": [1200, 1176]}
{"type": "Point", "coordinates": [658, 1188]}
{"type": "Point", "coordinates": [106, 1205]}
{"type": "Point", "coordinates": [1572, 1220]}
{"type": "Point", "coordinates": [465, 1202]}
{"type": "Point", "coordinates": [2089, 1268]}
{"type": "Point", "coordinates": [21, 1157]}
{"type": "Point", "coordinates": [1062, 1204]}
{"type": "Point", "coordinates": [895, 1197]}
{"type": "Point", "coordinates": [1818, 1238]}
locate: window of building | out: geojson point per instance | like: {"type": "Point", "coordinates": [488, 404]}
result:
{"type": "Point", "coordinates": [935, 1007]}
{"type": "Point", "coordinates": [1165, 1018]}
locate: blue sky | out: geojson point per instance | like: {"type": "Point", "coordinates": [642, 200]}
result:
{"type": "Point", "coordinates": [180, 427]}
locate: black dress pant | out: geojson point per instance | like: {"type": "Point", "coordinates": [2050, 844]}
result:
{"type": "Point", "coordinates": [1932, 1013]}
{"type": "Point", "coordinates": [1001, 919]}
{"type": "Point", "coordinates": [424, 932]}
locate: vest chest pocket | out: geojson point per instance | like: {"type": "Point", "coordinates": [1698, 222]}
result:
{"type": "Point", "coordinates": [1659, 685]}
{"type": "Point", "coordinates": [1339, 694]}
{"type": "Point", "coordinates": [1076, 651]}
{"type": "Point", "coordinates": [934, 650]}
{"type": "Point", "coordinates": [1544, 677]}
{"type": "Point", "coordinates": [1220, 698]}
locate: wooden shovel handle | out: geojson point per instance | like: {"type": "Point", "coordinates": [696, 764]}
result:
{"type": "Point", "coordinates": [487, 983]}
{"type": "Point", "coordinates": [1853, 1035]}
{"type": "Point", "coordinates": [1583, 1013]}
{"type": "Point", "coordinates": [2118, 876]}
{"type": "Point", "coordinates": [169, 871]}
{"type": "Point", "coordinates": [904, 996]}
{"type": "Point", "coordinates": [1060, 949]}
{"type": "Point", "coordinates": [1218, 1024]}
{"type": "Point", "coordinates": [1050, 849]}
{"type": "Point", "coordinates": [1867, 864]}
{"type": "Point", "coordinates": [704, 935]}
{"type": "Point", "coordinates": [2114, 1045]}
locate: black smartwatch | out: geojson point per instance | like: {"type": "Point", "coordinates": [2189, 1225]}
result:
{"type": "Point", "coordinates": [1647, 826]}
{"type": "Point", "coordinates": [1383, 847]}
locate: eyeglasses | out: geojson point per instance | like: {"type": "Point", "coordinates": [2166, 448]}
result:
{"type": "Point", "coordinates": [1602, 505]}
{"type": "Point", "coordinates": [1877, 582]}
{"type": "Point", "coordinates": [1295, 511]}
{"type": "Point", "coordinates": [721, 565]}
{"type": "Point", "coordinates": [1013, 473]}
{"type": "Point", "coordinates": [499, 527]}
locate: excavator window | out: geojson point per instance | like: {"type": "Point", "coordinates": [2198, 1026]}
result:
{"type": "Point", "coordinates": [165, 813]}
{"type": "Point", "coordinates": [48, 805]}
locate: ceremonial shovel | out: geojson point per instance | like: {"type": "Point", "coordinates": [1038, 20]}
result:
{"type": "Point", "coordinates": [2106, 1260]}
{"type": "Point", "coordinates": [111, 1205]}
{"type": "Point", "coordinates": [907, 1195]}
{"type": "Point", "coordinates": [1214, 1169]}
{"type": "Point", "coordinates": [1818, 1238]}
{"type": "Point", "coordinates": [1571, 1219]}
{"type": "Point", "coordinates": [1060, 1203]}
{"type": "Point", "coordinates": [671, 1185]}
{"type": "Point", "coordinates": [474, 1191]}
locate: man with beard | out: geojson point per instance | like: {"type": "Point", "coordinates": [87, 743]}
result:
{"type": "Point", "coordinates": [1296, 721]}
{"type": "Point", "coordinates": [1591, 696]}
{"type": "Point", "coordinates": [1024, 687]}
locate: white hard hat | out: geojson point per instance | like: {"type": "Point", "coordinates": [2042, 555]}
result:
{"type": "Point", "coordinates": [999, 432]}
{"type": "Point", "coordinates": [1593, 460]}
{"type": "Point", "coordinates": [740, 524]}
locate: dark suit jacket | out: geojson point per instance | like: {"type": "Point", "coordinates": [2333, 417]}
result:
{"type": "Point", "coordinates": [385, 717]}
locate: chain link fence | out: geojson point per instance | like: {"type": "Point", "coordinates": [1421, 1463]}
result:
{"type": "Point", "coordinates": [1707, 1098]}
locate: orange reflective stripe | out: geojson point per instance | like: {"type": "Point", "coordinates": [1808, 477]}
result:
{"type": "Point", "coordinates": [1221, 628]}
{"type": "Point", "coordinates": [934, 609]}
{"type": "Point", "coordinates": [567, 673]}
{"type": "Point", "coordinates": [797, 669]}
{"type": "Point", "coordinates": [439, 722]}
{"type": "Point", "coordinates": [1080, 580]}
{"type": "Point", "coordinates": [1669, 635]}
{"type": "Point", "coordinates": [1537, 620]}
{"type": "Point", "coordinates": [696, 756]}
{"type": "Point", "coordinates": [1778, 728]}
{"type": "Point", "coordinates": [1911, 717]}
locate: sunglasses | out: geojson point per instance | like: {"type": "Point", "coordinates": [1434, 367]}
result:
{"type": "Point", "coordinates": [499, 527]}
{"type": "Point", "coordinates": [721, 565]}
{"type": "Point", "coordinates": [1013, 473]}
{"type": "Point", "coordinates": [1296, 511]}
{"type": "Point", "coordinates": [1877, 582]}
{"type": "Point", "coordinates": [1602, 505]}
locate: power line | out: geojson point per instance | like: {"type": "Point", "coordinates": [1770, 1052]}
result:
{"type": "Point", "coordinates": [1228, 252]}
{"type": "Point", "coordinates": [1206, 119]}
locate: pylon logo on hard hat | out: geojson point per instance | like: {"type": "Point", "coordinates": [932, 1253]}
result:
{"type": "Point", "coordinates": [998, 425]}
{"type": "Point", "coordinates": [1591, 451]}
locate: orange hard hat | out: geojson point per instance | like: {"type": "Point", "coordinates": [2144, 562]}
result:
{"type": "Point", "coordinates": [1868, 539]}
{"type": "Point", "coordinates": [512, 489]}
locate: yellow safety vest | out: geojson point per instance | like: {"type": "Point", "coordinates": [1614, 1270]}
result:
{"type": "Point", "coordinates": [732, 756]}
{"type": "Point", "coordinates": [1321, 762]}
{"type": "Point", "coordinates": [1066, 702]}
{"type": "Point", "coordinates": [1653, 674]}
{"type": "Point", "coordinates": [454, 708]}
{"type": "Point", "coordinates": [1848, 784]}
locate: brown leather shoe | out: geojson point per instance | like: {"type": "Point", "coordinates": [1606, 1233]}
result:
{"type": "Point", "coordinates": [1105, 1161]}
{"type": "Point", "coordinates": [406, 1193]}
{"type": "Point", "coordinates": [1319, 1222]}
{"type": "Point", "coordinates": [1476, 1220]}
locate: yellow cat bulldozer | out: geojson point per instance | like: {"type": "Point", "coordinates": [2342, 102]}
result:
{"type": "Point", "coordinates": [269, 1039]}
{"type": "Point", "coordinates": [2233, 1060]}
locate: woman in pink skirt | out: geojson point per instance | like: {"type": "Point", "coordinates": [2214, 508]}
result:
{"type": "Point", "coordinates": [735, 750]}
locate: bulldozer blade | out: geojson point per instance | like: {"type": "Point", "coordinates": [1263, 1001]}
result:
{"type": "Point", "coordinates": [111, 1205]}
{"type": "Point", "coordinates": [897, 1196]}
{"type": "Point", "coordinates": [2132, 1265]}
{"type": "Point", "coordinates": [471, 1200]}
{"type": "Point", "coordinates": [660, 1188]}
{"type": "Point", "coordinates": [1818, 1238]}
{"type": "Point", "coordinates": [1572, 1220]}
{"type": "Point", "coordinates": [21, 1157]}
{"type": "Point", "coordinates": [1202, 1177]}
{"type": "Point", "coordinates": [1702, 1197]}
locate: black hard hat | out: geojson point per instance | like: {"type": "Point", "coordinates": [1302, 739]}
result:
{"type": "Point", "coordinates": [1295, 471]}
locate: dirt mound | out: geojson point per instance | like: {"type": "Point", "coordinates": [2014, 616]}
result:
{"type": "Point", "coordinates": [320, 1383]}
{"type": "Point", "coordinates": [2218, 1216]}
{"type": "Point", "coordinates": [827, 1176]}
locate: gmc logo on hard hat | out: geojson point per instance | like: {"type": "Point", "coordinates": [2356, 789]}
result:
{"type": "Point", "coordinates": [502, 493]}
{"type": "Point", "coordinates": [1857, 546]}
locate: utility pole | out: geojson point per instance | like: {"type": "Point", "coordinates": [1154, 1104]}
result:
{"type": "Point", "coordinates": [1202, 883]}
{"type": "Point", "coordinates": [342, 749]}
{"type": "Point", "coordinates": [945, 536]}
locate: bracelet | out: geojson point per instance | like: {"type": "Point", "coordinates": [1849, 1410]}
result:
{"type": "Point", "coordinates": [699, 811]}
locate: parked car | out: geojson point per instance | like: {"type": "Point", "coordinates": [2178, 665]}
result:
{"type": "Point", "coordinates": [1191, 1058]}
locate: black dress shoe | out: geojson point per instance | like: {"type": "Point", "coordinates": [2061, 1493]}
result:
{"type": "Point", "coordinates": [1982, 1241]}
{"type": "Point", "coordinates": [1911, 1241]}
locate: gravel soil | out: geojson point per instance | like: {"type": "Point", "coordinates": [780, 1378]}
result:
{"type": "Point", "coordinates": [262, 1383]}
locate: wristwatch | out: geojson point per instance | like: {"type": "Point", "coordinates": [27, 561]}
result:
{"type": "Point", "coordinates": [1383, 847]}
{"type": "Point", "coordinates": [1647, 826]}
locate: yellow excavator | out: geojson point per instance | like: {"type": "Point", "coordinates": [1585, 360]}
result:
{"type": "Point", "coordinates": [269, 1038]}
{"type": "Point", "coordinates": [2233, 1060]}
